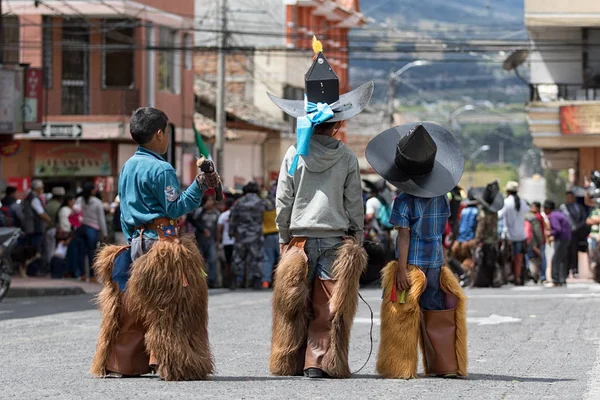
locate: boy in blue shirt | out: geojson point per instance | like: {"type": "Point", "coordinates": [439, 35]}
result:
{"type": "Point", "coordinates": [421, 295]}
{"type": "Point", "coordinates": [157, 282]}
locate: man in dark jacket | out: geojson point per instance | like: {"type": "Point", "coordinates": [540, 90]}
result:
{"type": "Point", "coordinates": [577, 216]}
{"type": "Point", "coordinates": [34, 223]}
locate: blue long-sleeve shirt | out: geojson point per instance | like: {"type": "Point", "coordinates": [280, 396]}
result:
{"type": "Point", "coordinates": [149, 189]}
{"type": "Point", "coordinates": [468, 224]}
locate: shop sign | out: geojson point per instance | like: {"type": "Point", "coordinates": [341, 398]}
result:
{"type": "Point", "coordinates": [72, 159]}
{"type": "Point", "coordinates": [580, 119]}
{"type": "Point", "coordinates": [22, 184]}
{"type": "Point", "coordinates": [8, 149]}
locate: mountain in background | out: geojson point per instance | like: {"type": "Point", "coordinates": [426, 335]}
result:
{"type": "Point", "coordinates": [439, 31]}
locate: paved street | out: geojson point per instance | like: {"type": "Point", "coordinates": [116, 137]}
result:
{"type": "Point", "coordinates": [525, 343]}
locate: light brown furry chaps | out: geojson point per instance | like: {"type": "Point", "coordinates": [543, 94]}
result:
{"type": "Point", "coordinates": [401, 334]}
{"type": "Point", "coordinates": [167, 289]}
{"type": "Point", "coordinates": [291, 310]}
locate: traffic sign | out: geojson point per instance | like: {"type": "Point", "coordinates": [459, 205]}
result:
{"type": "Point", "coordinates": [62, 130]}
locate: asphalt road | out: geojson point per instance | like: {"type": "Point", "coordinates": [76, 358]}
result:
{"type": "Point", "coordinates": [524, 343]}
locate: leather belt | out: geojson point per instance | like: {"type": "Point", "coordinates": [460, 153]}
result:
{"type": "Point", "coordinates": [166, 228]}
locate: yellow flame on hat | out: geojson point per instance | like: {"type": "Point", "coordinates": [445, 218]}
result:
{"type": "Point", "coordinates": [317, 46]}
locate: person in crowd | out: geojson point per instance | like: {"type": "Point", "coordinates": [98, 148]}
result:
{"type": "Point", "coordinates": [34, 223]}
{"type": "Point", "coordinates": [535, 236]}
{"type": "Point", "coordinates": [64, 229]}
{"type": "Point", "coordinates": [154, 303]}
{"type": "Point", "coordinates": [225, 243]}
{"type": "Point", "coordinates": [52, 207]}
{"type": "Point", "coordinates": [560, 235]}
{"type": "Point", "coordinates": [421, 296]}
{"type": "Point", "coordinates": [593, 222]}
{"type": "Point", "coordinates": [536, 209]}
{"type": "Point", "coordinates": [271, 246]}
{"type": "Point", "coordinates": [92, 230]}
{"type": "Point", "coordinates": [513, 218]}
{"type": "Point", "coordinates": [320, 218]}
{"type": "Point", "coordinates": [378, 211]}
{"type": "Point", "coordinates": [488, 271]}
{"type": "Point", "coordinates": [205, 222]}
{"type": "Point", "coordinates": [577, 216]}
{"type": "Point", "coordinates": [246, 227]}
{"type": "Point", "coordinates": [464, 245]}
{"type": "Point", "coordinates": [8, 208]}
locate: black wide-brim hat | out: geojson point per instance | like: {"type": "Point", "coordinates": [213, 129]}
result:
{"type": "Point", "coordinates": [496, 204]}
{"type": "Point", "coordinates": [349, 105]}
{"type": "Point", "coordinates": [448, 165]}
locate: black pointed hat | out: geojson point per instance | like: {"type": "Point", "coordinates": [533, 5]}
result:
{"type": "Point", "coordinates": [489, 197]}
{"type": "Point", "coordinates": [322, 85]}
{"type": "Point", "coordinates": [421, 159]}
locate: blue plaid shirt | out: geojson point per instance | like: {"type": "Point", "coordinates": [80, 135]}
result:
{"type": "Point", "coordinates": [426, 219]}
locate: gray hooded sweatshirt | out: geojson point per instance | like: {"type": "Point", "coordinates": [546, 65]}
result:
{"type": "Point", "coordinates": [324, 196]}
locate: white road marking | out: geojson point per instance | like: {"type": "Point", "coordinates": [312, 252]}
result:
{"type": "Point", "coordinates": [7, 311]}
{"type": "Point", "coordinates": [376, 321]}
{"type": "Point", "coordinates": [493, 319]}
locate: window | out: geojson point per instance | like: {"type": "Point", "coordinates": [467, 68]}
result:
{"type": "Point", "coordinates": [47, 43]}
{"type": "Point", "coordinates": [292, 93]}
{"type": "Point", "coordinates": [118, 54]}
{"type": "Point", "coordinates": [187, 51]}
{"type": "Point", "coordinates": [11, 39]}
{"type": "Point", "coordinates": [167, 68]}
{"type": "Point", "coordinates": [75, 67]}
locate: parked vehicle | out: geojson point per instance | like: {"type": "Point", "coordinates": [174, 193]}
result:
{"type": "Point", "coordinates": [9, 238]}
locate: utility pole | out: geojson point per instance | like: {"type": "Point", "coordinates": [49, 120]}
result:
{"type": "Point", "coordinates": [1, 35]}
{"type": "Point", "coordinates": [391, 96]}
{"type": "Point", "coordinates": [220, 106]}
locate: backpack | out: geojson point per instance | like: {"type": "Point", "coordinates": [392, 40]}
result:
{"type": "Point", "coordinates": [385, 213]}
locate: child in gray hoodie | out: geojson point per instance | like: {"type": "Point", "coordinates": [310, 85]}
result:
{"type": "Point", "coordinates": [320, 219]}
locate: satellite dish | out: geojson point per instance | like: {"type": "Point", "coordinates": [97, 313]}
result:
{"type": "Point", "coordinates": [515, 59]}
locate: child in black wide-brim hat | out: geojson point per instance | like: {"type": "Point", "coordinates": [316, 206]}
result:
{"type": "Point", "coordinates": [421, 296]}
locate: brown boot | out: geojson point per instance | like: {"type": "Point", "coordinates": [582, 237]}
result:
{"type": "Point", "coordinates": [128, 355]}
{"type": "Point", "coordinates": [439, 336]}
{"type": "Point", "coordinates": [319, 328]}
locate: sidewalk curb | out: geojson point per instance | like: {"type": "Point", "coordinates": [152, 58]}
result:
{"type": "Point", "coordinates": [42, 291]}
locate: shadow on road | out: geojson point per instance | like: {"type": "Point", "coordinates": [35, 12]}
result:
{"type": "Point", "coordinates": [31, 307]}
{"type": "Point", "coordinates": [508, 378]}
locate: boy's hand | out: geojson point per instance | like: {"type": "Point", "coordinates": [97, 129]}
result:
{"type": "Point", "coordinates": [402, 279]}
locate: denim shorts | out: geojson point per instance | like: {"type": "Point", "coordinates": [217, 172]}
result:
{"type": "Point", "coordinates": [518, 247]}
{"type": "Point", "coordinates": [433, 298]}
{"type": "Point", "coordinates": [321, 253]}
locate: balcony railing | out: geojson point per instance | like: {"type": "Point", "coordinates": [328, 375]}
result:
{"type": "Point", "coordinates": [562, 92]}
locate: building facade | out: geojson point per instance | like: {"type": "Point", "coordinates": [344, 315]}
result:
{"type": "Point", "coordinates": [564, 104]}
{"type": "Point", "coordinates": [270, 52]}
{"type": "Point", "coordinates": [99, 62]}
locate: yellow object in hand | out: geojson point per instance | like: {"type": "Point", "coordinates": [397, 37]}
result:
{"type": "Point", "coordinates": [402, 297]}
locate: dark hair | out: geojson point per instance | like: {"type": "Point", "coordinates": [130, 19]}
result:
{"type": "Point", "coordinates": [517, 199]}
{"type": "Point", "coordinates": [87, 190]}
{"type": "Point", "coordinates": [549, 204]}
{"type": "Point", "coordinates": [67, 199]}
{"type": "Point", "coordinates": [229, 200]}
{"type": "Point", "coordinates": [325, 127]}
{"type": "Point", "coordinates": [537, 204]}
{"type": "Point", "coordinates": [568, 192]}
{"type": "Point", "coordinates": [145, 122]}
{"type": "Point", "coordinates": [10, 190]}
{"type": "Point", "coordinates": [251, 187]}
{"type": "Point", "coordinates": [205, 199]}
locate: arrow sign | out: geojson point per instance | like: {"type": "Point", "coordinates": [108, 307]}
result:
{"type": "Point", "coordinates": [62, 131]}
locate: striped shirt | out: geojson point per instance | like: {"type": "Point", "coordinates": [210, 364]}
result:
{"type": "Point", "coordinates": [426, 219]}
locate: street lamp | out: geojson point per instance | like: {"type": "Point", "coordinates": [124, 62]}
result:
{"type": "Point", "coordinates": [392, 83]}
{"type": "Point", "coordinates": [472, 157]}
{"type": "Point", "coordinates": [452, 119]}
